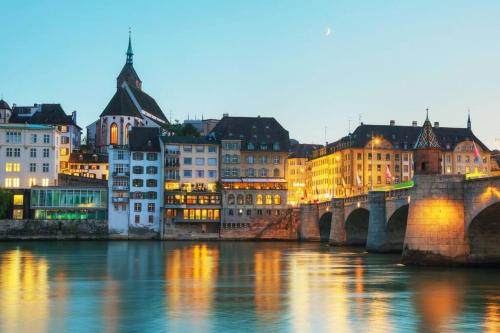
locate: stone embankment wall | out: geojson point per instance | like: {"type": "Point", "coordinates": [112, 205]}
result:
{"type": "Point", "coordinates": [282, 227]}
{"type": "Point", "coordinates": [35, 229]}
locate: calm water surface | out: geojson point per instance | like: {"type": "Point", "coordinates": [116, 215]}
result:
{"type": "Point", "coordinates": [229, 286]}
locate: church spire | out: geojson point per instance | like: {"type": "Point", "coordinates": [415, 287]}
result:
{"type": "Point", "coordinates": [469, 125]}
{"type": "Point", "coordinates": [130, 54]}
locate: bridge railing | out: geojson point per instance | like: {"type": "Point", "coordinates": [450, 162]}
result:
{"type": "Point", "coordinates": [356, 198]}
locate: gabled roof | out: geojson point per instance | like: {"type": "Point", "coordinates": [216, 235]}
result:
{"type": "Point", "coordinates": [144, 139]}
{"type": "Point", "coordinates": [49, 114]}
{"type": "Point", "coordinates": [148, 103]}
{"type": "Point", "coordinates": [121, 105]}
{"type": "Point", "coordinates": [255, 130]}
{"type": "Point", "coordinates": [426, 137]}
{"type": "Point", "coordinates": [302, 150]}
{"type": "Point", "coordinates": [4, 105]}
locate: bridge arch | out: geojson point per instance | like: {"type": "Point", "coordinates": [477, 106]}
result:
{"type": "Point", "coordinates": [356, 226]}
{"type": "Point", "coordinates": [396, 228]}
{"type": "Point", "coordinates": [483, 234]}
{"type": "Point", "coordinates": [325, 226]}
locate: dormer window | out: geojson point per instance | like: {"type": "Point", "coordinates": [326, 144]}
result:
{"type": "Point", "coordinates": [276, 146]}
{"type": "Point", "coordinates": [263, 146]}
{"type": "Point", "coordinates": [250, 146]}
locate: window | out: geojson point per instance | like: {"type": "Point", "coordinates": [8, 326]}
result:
{"type": "Point", "coordinates": [127, 131]}
{"type": "Point", "coordinates": [200, 149]}
{"type": "Point", "coordinates": [64, 140]}
{"type": "Point", "coordinates": [137, 207]}
{"type": "Point", "coordinates": [250, 172]}
{"type": "Point", "coordinates": [17, 152]}
{"type": "Point", "coordinates": [45, 152]}
{"type": "Point", "coordinates": [212, 161]}
{"type": "Point", "coordinates": [263, 160]}
{"type": "Point", "coordinates": [138, 170]}
{"type": "Point", "coordinates": [379, 156]}
{"type": "Point", "coordinates": [379, 167]}
{"type": "Point", "coordinates": [269, 200]}
{"type": "Point", "coordinates": [276, 160]}
{"type": "Point", "coordinates": [137, 219]}
{"type": "Point", "coordinates": [277, 199]}
{"type": "Point", "coordinates": [250, 146]}
{"type": "Point", "coordinates": [137, 182]}
{"type": "Point", "coordinates": [33, 138]}
{"type": "Point", "coordinates": [230, 212]}
{"type": "Point", "coordinates": [150, 219]}
{"type": "Point", "coordinates": [259, 211]}
{"type": "Point", "coordinates": [45, 167]}
{"type": "Point", "coordinates": [276, 172]}
{"type": "Point", "coordinates": [239, 199]}
{"type": "Point", "coordinates": [151, 207]}
{"type": "Point", "coordinates": [13, 137]}
{"type": "Point", "coordinates": [8, 152]}
{"type": "Point", "coordinates": [11, 182]}
{"type": "Point", "coordinates": [45, 182]}
{"type": "Point", "coordinates": [250, 159]}
{"type": "Point", "coordinates": [369, 156]}
{"type": "Point", "coordinates": [230, 199]}
{"type": "Point", "coordinates": [188, 173]}
{"type": "Point", "coordinates": [379, 180]}
{"type": "Point", "coordinates": [113, 134]}
{"type": "Point", "coordinates": [32, 167]}
{"type": "Point", "coordinates": [359, 156]}
{"type": "Point", "coordinates": [200, 161]}
{"type": "Point", "coordinates": [188, 161]}
{"type": "Point", "coordinates": [152, 156]}
{"type": "Point", "coordinates": [212, 173]}
{"type": "Point", "coordinates": [396, 157]}
{"type": "Point", "coordinates": [276, 146]}
{"type": "Point", "coordinates": [151, 170]}
{"type": "Point", "coordinates": [212, 149]}
{"type": "Point", "coordinates": [235, 159]}
{"type": "Point", "coordinates": [249, 212]}
{"type": "Point", "coordinates": [248, 199]}
{"type": "Point", "coordinates": [151, 183]}
{"type": "Point", "coordinates": [32, 182]}
{"type": "Point", "coordinates": [200, 173]}
{"type": "Point", "coordinates": [137, 156]}
{"type": "Point", "coordinates": [187, 148]}
{"type": "Point", "coordinates": [263, 172]}
{"type": "Point", "coordinates": [64, 151]}
{"type": "Point", "coordinates": [18, 199]}
{"type": "Point", "coordinates": [387, 157]}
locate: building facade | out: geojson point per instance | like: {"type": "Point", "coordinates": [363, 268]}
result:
{"type": "Point", "coordinates": [29, 155]}
{"type": "Point", "coordinates": [89, 165]}
{"type": "Point", "coordinates": [296, 173]}
{"type": "Point", "coordinates": [254, 151]}
{"type": "Point", "coordinates": [192, 194]}
{"type": "Point", "coordinates": [376, 156]}
{"type": "Point", "coordinates": [136, 184]}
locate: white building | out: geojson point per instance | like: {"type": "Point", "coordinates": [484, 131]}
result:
{"type": "Point", "coordinates": [29, 155]}
{"type": "Point", "coordinates": [136, 184]}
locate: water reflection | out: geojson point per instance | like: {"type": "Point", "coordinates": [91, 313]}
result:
{"type": "Point", "coordinates": [232, 286]}
{"type": "Point", "coordinates": [24, 289]}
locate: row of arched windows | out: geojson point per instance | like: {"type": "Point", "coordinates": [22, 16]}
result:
{"type": "Point", "coordinates": [113, 134]}
{"type": "Point", "coordinates": [260, 199]}
{"type": "Point", "coordinates": [251, 172]}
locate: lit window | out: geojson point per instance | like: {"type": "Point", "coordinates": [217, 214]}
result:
{"type": "Point", "coordinates": [269, 200]}
{"type": "Point", "coordinates": [277, 199]}
{"type": "Point", "coordinates": [113, 134]}
{"type": "Point", "coordinates": [259, 199]}
{"type": "Point", "coordinates": [18, 199]}
{"type": "Point", "coordinates": [32, 181]}
{"type": "Point", "coordinates": [45, 182]}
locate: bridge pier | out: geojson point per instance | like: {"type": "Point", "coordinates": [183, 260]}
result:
{"type": "Point", "coordinates": [377, 234]}
{"type": "Point", "coordinates": [435, 231]}
{"type": "Point", "coordinates": [338, 232]}
{"type": "Point", "coordinates": [309, 227]}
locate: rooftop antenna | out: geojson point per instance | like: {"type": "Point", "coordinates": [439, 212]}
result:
{"type": "Point", "coordinates": [359, 118]}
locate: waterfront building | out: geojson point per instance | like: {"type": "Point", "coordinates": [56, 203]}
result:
{"type": "Point", "coordinates": [192, 195]}
{"type": "Point", "coordinates": [253, 159]}
{"type": "Point", "coordinates": [52, 115]}
{"type": "Point", "coordinates": [129, 107]}
{"type": "Point", "coordinates": [29, 155]}
{"type": "Point", "coordinates": [69, 203]}
{"type": "Point", "coordinates": [89, 165]}
{"type": "Point", "coordinates": [203, 126]}
{"type": "Point", "coordinates": [375, 156]}
{"type": "Point", "coordinates": [296, 172]}
{"type": "Point", "coordinates": [136, 183]}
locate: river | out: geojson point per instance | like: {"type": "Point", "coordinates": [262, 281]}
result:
{"type": "Point", "coordinates": [219, 287]}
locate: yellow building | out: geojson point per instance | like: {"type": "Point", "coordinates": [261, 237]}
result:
{"type": "Point", "coordinates": [296, 173]}
{"type": "Point", "coordinates": [374, 156]}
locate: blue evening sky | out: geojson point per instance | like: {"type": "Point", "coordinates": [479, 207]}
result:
{"type": "Point", "coordinates": [384, 60]}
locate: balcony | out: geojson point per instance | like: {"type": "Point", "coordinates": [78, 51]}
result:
{"type": "Point", "coordinates": [120, 187]}
{"type": "Point", "coordinates": [119, 199]}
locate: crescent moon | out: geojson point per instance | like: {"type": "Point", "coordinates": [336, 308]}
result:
{"type": "Point", "coordinates": [328, 31]}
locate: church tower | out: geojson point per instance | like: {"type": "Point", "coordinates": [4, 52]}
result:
{"type": "Point", "coordinates": [427, 150]}
{"type": "Point", "coordinates": [128, 73]}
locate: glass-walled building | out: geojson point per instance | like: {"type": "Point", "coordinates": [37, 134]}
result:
{"type": "Point", "coordinates": [59, 203]}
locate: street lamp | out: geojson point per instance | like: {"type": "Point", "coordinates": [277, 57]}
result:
{"type": "Point", "coordinates": [377, 141]}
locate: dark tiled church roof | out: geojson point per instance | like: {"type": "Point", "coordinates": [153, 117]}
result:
{"type": "Point", "coordinates": [144, 139]}
{"type": "Point", "coordinates": [50, 114]}
{"type": "Point", "coordinates": [4, 105]}
{"type": "Point", "coordinates": [148, 103]}
{"type": "Point", "coordinates": [121, 105]}
{"type": "Point", "coordinates": [255, 130]}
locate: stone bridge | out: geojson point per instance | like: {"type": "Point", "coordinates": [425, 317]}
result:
{"type": "Point", "coordinates": [442, 219]}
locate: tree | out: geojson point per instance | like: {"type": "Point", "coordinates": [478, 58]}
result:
{"type": "Point", "coordinates": [5, 202]}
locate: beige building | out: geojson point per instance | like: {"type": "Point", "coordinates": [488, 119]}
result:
{"type": "Point", "coordinates": [297, 172]}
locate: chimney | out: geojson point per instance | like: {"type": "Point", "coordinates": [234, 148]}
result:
{"type": "Point", "coordinates": [73, 116]}
{"type": "Point", "coordinates": [436, 124]}
{"type": "Point", "coordinates": [414, 123]}
{"type": "Point", "coordinates": [224, 115]}
{"type": "Point", "coordinates": [392, 122]}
